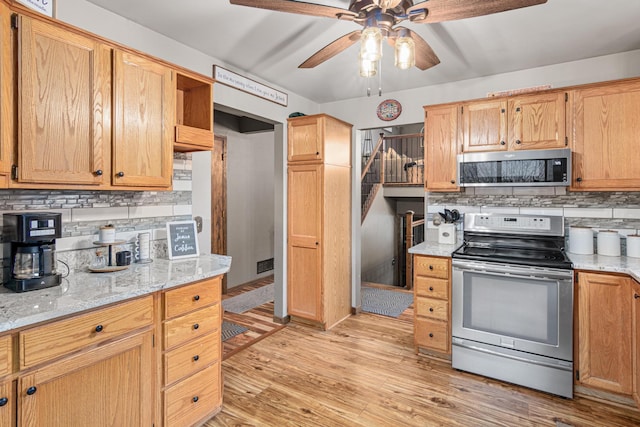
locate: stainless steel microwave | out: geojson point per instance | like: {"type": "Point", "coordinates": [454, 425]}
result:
{"type": "Point", "coordinates": [529, 168]}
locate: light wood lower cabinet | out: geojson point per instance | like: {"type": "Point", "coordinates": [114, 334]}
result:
{"type": "Point", "coordinates": [107, 386]}
{"type": "Point", "coordinates": [7, 404]}
{"type": "Point", "coordinates": [605, 356]}
{"type": "Point", "coordinates": [432, 308]}
{"type": "Point", "coordinates": [635, 333]}
{"type": "Point", "coordinates": [192, 377]}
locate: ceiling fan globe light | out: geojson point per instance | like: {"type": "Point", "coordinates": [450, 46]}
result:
{"type": "Point", "coordinates": [368, 68]}
{"type": "Point", "coordinates": [371, 44]}
{"type": "Point", "coordinates": [405, 53]}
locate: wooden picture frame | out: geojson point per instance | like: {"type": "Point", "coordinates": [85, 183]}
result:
{"type": "Point", "coordinates": [182, 239]}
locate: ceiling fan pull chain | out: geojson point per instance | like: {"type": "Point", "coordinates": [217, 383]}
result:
{"type": "Point", "coordinates": [379, 77]}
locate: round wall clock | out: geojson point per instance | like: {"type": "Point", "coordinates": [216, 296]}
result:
{"type": "Point", "coordinates": [389, 109]}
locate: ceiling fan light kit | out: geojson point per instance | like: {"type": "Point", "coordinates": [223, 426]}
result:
{"type": "Point", "coordinates": [405, 50]}
{"type": "Point", "coordinates": [368, 68]}
{"type": "Point", "coordinates": [371, 44]}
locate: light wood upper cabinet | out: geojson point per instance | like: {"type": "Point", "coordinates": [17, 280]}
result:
{"type": "Point", "coordinates": [144, 113]}
{"type": "Point", "coordinates": [306, 135]}
{"type": "Point", "coordinates": [606, 129]}
{"type": "Point", "coordinates": [604, 332]}
{"type": "Point", "coordinates": [484, 125]}
{"type": "Point", "coordinates": [194, 114]}
{"type": "Point", "coordinates": [441, 147]}
{"type": "Point", "coordinates": [6, 92]}
{"type": "Point", "coordinates": [64, 106]}
{"type": "Point", "coordinates": [537, 121]}
{"type": "Point", "coordinates": [522, 122]}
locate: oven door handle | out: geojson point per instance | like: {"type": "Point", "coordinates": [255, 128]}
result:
{"type": "Point", "coordinates": [510, 271]}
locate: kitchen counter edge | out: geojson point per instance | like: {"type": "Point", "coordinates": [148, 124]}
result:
{"type": "Point", "coordinates": [82, 290]}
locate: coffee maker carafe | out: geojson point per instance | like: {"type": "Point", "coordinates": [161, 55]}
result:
{"type": "Point", "coordinates": [33, 250]}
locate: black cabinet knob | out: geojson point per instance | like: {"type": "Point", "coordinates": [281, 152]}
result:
{"type": "Point", "coordinates": [195, 399]}
{"type": "Point", "coordinates": [196, 358]}
{"type": "Point", "coordinates": [317, 153]}
{"type": "Point", "coordinates": [31, 390]}
{"type": "Point", "coordinates": [120, 174]}
{"type": "Point", "coordinates": [317, 243]}
{"type": "Point", "coordinates": [196, 298]}
{"type": "Point", "coordinates": [518, 142]}
{"type": "Point", "coordinates": [431, 288]}
{"type": "Point", "coordinates": [98, 172]}
{"type": "Point", "coordinates": [636, 296]}
{"type": "Point", "coordinates": [99, 328]}
{"type": "Point", "coordinates": [430, 335]}
{"type": "Point", "coordinates": [431, 267]}
{"type": "Point", "coordinates": [4, 401]}
{"type": "Point", "coordinates": [431, 309]}
{"type": "Point", "coordinates": [453, 181]}
{"type": "Point", "coordinates": [579, 179]}
{"type": "Point", "coordinates": [196, 326]}
{"type": "Point", "coordinates": [502, 143]}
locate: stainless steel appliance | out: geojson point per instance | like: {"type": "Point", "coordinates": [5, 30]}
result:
{"type": "Point", "coordinates": [512, 301]}
{"type": "Point", "coordinates": [33, 250]}
{"type": "Point", "coordinates": [515, 168]}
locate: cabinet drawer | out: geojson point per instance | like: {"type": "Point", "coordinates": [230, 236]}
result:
{"type": "Point", "coordinates": [433, 308]}
{"type": "Point", "coordinates": [433, 288]}
{"type": "Point", "coordinates": [6, 354]}
{"type": "Point", "coordinates": [432, 267]}
{"type": "Point", "coordinates": [189, 358]}
{"type": "Point", "coordinates": [432, 334]}
{"type": "Point", "coordinates": [65, 336]}
{"type": "Point", "coordinates": [190, 326]}
{"type": "Point", "coordinates": [192, 297]}
{"type": "Point", "coordinates": [192, 399]}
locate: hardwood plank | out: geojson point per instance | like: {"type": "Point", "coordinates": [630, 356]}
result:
{"type": "Point", "coordinates": [364, 372]}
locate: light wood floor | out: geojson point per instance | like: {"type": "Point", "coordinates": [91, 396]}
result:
{"type": "Point", "coordinates": [364, 372]}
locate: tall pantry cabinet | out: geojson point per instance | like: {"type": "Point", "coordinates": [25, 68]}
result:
{"type": "Point", "coordinates": [319, 220]}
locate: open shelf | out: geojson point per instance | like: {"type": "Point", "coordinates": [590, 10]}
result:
{"type": "Point", "coordinates": [194, 114]}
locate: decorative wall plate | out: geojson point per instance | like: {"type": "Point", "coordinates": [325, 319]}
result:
{"type": "Point", "coordinates": [389, 109]}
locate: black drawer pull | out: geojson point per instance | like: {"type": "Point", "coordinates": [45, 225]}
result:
{"type": "Point", "coordinates": [430, 335]}
{"type": "Point", "coordinates": [431, 267]}
{"type": "Point", "coordinates": [31, 390]}
{"type": "Point", "coordinates": [4, 401]}
{"type": "Point", "coordinates": [196, 358]}
{"type": "Point", "coordinates": [195, 399]}
{"type": "Point", "coordinates": [518, 142]}
{"type": "Point", "coordinates": [196, 326]}
{"type": "Point", "coordinates": [98, 172]}
{"type": "Point", "coordinates": [636, 296]}
{"type": "Point", "coordinates": [431, 288]}
{"type": "Point", "coordinates": [120, 174]}
{"type": "Point", "coordinates": [431, 309]}
{"type": "Point", "coordinates": [502, 143]}
{"type": "Point", "coordinates": [99, 328]}
{"type": "Point", "coordinates": [196, 298]}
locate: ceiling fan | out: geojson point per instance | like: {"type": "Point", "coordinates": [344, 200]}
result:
{"type": "Point", "coordinates": [380, 18]}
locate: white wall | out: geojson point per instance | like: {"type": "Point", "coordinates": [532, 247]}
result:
{"type": "Point", "coordinates": [378, 237]}
{"type": "Point", "coordinates": [201, 196]}
{"type": "Point", "coordinates": [250, 202]}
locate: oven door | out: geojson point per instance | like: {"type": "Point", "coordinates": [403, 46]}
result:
{"type": "Point", "coordinates": [521, 308]}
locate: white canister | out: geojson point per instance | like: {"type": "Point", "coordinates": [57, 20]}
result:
{"type": "Point", "coordinates": [447, 234]}
{"type": "Point", "coordinates": [608, 243]}
{"type": "Point", "coordinates": [107, 234]}
{"type": "Point", "coordinates": [633, 246]}
{"type": "Point", "coordinates": [581, 240]}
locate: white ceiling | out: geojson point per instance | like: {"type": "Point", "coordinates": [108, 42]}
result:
{"type": "Point", "coordinates": [271, 45]}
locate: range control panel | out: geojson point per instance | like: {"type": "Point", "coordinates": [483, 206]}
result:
{"type": "Point", "coordinates": [516, 224]}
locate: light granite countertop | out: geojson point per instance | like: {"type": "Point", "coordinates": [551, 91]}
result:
{"type": "Point", "coordinates": [611, 264]}
{"type": "Point", "coordinates": [83, 290]}
{"type": "Point", "coordinates": [434, 248]}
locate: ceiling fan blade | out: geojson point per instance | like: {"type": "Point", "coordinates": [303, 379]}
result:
{"type": "Point", "coordinates": [331, 50]}
{"type": "Point", "coordinates": [450, 10]}
{"type": "Point", "coordinates": [298, 7]}
{"type": "Point", "coordinates": [425, 56]}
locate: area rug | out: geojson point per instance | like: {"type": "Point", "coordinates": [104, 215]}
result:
{"type": "Point", "coordinates": [248, 300]}
{"type": "Point", "coordinates": [230, 330]}
{"type": "Point", "coordinates": [386, 303]}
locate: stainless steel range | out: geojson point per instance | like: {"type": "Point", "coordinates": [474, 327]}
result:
{"type": "Point", "coordinates": [512, 301]}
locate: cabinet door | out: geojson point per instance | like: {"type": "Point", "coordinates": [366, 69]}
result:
{"type": "Point", "coordinates": [6, 93]}
{"type": "Point", "coordinates": [441, 148]}
{"type": "Point", "coordinates": [604, 332]}
{"type": "Point", "coordinates": [606, 129]}
{"type": "Point", "coordinates": [111, 385]}
{"type": "Point", "coordinates": [537, 121]}
{"type": "Point", "coordinates": [635, 333]}
{"type": "Point", "coordinates": [305, 136]}
{"type": "Point", "coordinates": [304, 245]}
{"type": "Point", "coordinates": [144, 110]}
{"type": "Point", "coordinates": [7, 404]}
{"type": "Point", "coordinates": [64, 106]}
{"type": "Point", "coordinates": [484, 126]}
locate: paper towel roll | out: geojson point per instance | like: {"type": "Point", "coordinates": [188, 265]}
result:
{"type": "Point", "coordinates": [633, 246]}
{"type": "Point", "coordinates": [608, 243]}
{"type": "Point", "coordinates": [581, 240]}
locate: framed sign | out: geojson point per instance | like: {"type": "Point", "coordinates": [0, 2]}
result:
{"type": "Point", "coordinates": [234, 80]}
{"type": "Point", "coordinates": [46, 7]}
{"type": "Point", "coordinates": [182, 239]}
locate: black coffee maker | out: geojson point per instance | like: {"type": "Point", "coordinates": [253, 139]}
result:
{"type": "Point", "coordinates": [33, 250]}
